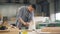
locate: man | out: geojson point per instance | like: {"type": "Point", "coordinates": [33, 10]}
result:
{"type": "Point", "coordinates": [25, 16]}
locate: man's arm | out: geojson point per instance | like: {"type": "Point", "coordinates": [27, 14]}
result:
{"type": "Point", "coordinates": [21, 10]}
{"type": "Point", "coordinates": [31, 20]}
{"type": "Point", "coordinates": [21, 21]}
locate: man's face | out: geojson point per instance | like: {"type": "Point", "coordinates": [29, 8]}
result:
{"type": "Point", "coordinates": [31, 8]}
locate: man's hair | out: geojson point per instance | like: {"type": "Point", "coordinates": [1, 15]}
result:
{"type": "Point", "coordinates": [33, 6]}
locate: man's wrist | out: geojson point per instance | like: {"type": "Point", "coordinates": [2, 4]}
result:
{"type": "Point", "coordinates": [24, 23]}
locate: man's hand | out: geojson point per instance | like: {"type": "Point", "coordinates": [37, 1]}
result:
{"type": "Point", "coordinates": [26, 24]}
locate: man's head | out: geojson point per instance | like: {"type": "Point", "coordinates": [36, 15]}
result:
{"type": "Point", "coordinates": [31, 7]}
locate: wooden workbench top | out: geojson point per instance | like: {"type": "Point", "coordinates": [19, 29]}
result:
{"type": "Point", "coordinates": [51, 29]}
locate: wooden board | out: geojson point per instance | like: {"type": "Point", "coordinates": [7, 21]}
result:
{"type": "Point", "coordinates": [51, 29]}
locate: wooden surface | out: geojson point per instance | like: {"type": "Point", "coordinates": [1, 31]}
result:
{"type": "Point", "coordinates": [10, 31]}
{"type": "Point", "coordinates": [51, 29]}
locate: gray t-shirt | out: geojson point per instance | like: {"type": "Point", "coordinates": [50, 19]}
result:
{"type": "Point", "coordinates": [25, 15]}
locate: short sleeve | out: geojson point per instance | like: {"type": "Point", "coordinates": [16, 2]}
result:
{"type": "Point", "coordinates": [20, 12]}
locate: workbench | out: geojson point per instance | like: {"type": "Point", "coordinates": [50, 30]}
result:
{"type": "Point", "coordinates": [10, 31]}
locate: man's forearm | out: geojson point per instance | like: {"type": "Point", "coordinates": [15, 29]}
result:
{"type": "Point", "coordinates": [21, 21]}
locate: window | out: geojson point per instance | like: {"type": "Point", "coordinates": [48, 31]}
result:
{"type": "Point", "coordinates": [57, 16]}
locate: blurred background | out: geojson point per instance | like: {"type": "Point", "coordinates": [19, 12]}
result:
{"type": "Point", "coordinates": [45, 9]}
